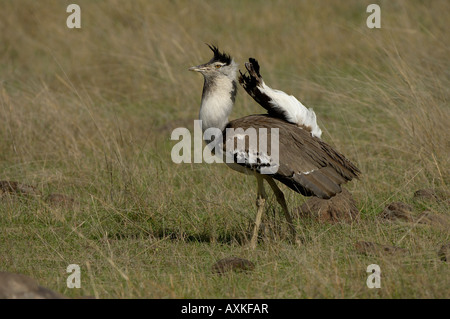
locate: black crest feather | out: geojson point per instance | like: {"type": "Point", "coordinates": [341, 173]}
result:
{"type": "Point", "coordinates": [219, 56]}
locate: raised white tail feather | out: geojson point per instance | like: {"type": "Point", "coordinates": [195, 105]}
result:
{"type": "Point", "coordinates": [294, 110]}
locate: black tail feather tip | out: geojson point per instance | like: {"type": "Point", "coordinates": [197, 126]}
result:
{"type": "Point", "coordinates": [255, 65]}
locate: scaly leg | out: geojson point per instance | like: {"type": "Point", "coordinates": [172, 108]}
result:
{"type": "Point", "coordinates": [282, 201]}
{"type": "Point", "coordinates": [260, 202]}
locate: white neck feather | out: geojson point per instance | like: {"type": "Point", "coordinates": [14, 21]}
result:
{"type": "Point", "coordinates": [217, 103]}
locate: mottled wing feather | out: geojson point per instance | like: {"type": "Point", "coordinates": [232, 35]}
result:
{"type": "Point", "coordinates": [307, 164]}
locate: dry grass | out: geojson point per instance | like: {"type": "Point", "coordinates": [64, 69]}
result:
{"type": "Point", "coordinates": [89, 113]}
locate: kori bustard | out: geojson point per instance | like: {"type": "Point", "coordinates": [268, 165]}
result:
{"type": "Point", "coordinates": [305, 163]}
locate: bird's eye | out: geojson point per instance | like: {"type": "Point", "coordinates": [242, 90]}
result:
{"type": "Point", "coordinates": [218, 66]}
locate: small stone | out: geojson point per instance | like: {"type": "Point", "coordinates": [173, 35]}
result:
{"type": "Point", "coordinates": [429, 218]}
{"type": "Point", "coordinates": [18, 286]}
{"type": "Point", "coordinates": [232, 264]}
{"type": "Point", "coordinates": [18, 188]}
{"type": "Point", "coordinates": [369, 248]}
{"type": "Point", "coordinates": [431, 195]}
{"type": "Point", "coordinates": [397, 211]}
{"type": "Point", "coordinates": [60, 200]}
{"type": "Point", "coordinates": [444, 252]}
{"type": "Point", "coordinates": [340, 208]}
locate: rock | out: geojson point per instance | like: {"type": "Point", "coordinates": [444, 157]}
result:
{"type": "Point", "coordinates": [444, 252]}
{"type": "Point", "coordinates": [340, 208]}
{"type": "Point", "coordinates": [17, 188]}
{"type": "Point", "coordinates": [232, 264]}
{"type": "Point", "coordinates": [17, 286]}
{"type": "Point", "coordinates": [429, 218]}
{"type": "Point", "coordinates": [60, 200]}
{"type": "Point", "coordinates": [430, 194]}
{"type": "Point", "coordinates": [397, 211]}
{"type": "Point", "coordinates": [400, 211]}
{"type": "Point", "coordinates": [369, 248]}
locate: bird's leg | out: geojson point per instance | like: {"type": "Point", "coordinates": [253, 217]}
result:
{"type": "Point", "coordinates": [282, 201]}
{"type": "Point", "coordinates": [260, 202]}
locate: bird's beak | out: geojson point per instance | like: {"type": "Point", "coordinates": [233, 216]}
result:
{"type": "Point", "coordinates": [198, 68]}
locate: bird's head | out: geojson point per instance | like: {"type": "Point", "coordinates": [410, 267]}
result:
{"type": "Point", "coordinates": [220, 65]}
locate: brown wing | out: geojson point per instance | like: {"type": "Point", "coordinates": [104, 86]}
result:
{"type": "Point", "coordinates": [307, 164]}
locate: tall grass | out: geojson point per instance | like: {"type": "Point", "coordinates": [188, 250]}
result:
{"type": "Point", "coordinates": [89, 113]}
